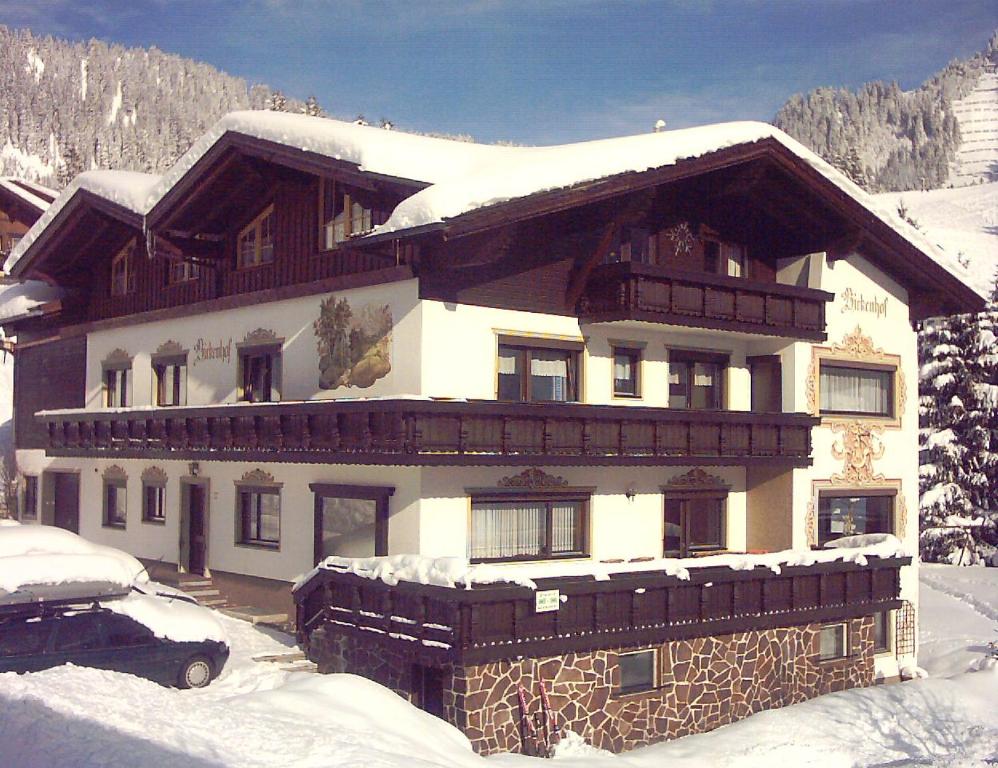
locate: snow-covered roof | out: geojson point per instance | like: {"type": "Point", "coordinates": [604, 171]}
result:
{"type": "Point", "coordinates": [22, 299]}
{"type": "Point", "coordinates": [128, 189]}
{"type": "Point", "coordinates": [458, 572]}
{"type": "Point", "coordinates": [23, 191]}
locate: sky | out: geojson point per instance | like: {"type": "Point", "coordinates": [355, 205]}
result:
{"type": "Point", "coordinates": [539, 71]}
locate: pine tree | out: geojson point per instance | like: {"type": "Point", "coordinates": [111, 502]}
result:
{"type": "Point", "coordinates": [311, 107]}
{"type": "Point", "coordinates": [278, 102]}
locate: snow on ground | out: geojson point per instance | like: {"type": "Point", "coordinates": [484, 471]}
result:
{"type": "Point", "coordinates": [960, 221]}
{"type": "Point", "coordinates": [257, 715]}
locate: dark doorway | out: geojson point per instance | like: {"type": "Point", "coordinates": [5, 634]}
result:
{"type": "Point", "coordinates": [66, 501]}
{"type": "Point", "coordinates": [428, 689]}
{"type": "Point", "coordinates": [767, 383]}
{"type": "Point", "coordinates": [197, 527]}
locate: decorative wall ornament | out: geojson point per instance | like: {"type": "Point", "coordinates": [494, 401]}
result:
{"type": "Point", "coordinates": [118, 357]}
{"type": "Point", "coordinates": [856, 346]}
{"type": "Point", "coordinates": [533, 478]}
{"type": "Point", "coordinates": [354, 346]}
{"type": "Point", "coordinates": [114, 472]}
{"type": "Point", "coordinates": [682, 238]}
{"type": "Point", "coordinates": [154, 476]}
{"type": "Point", "coordinates": [858, 448]}
{"type": "Point", "coordinates": [260, 336]}
{"type": "Point", "coordinates": [169, 349]}
{"type": "Point", "coordinates": [811, 524]}
{"type": "Point", "coordinates": [257, 477]}
{"type": "Point", "coordinates": [696, 478]}
{"type": "Point", "coordinates": [901, 515]}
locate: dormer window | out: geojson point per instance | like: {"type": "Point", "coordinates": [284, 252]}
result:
{"type": "Point", "coordinates": [721, 258]}
{"type": "Point", "coordinates": [122, 271]}
{"type": "Point", "coordinates": [344, 212]}
{"type": "Point", "coordinates": [255, 245]}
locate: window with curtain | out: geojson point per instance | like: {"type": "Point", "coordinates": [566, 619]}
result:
{"type": "Point", "coordinates": [171, 380]}
{"type": "Point", "coordinates": [850, 515]}
{"type": "Point", "coordinates": [527, 528]}
{"type": "Point", "coordinates": [696, 380]}
{"type": "Point", "coordinates": [850, 390]}
{"type": "Point", "coordinates": [117, 389]}
{"type": "Point", "coordinates": [255, 244]}
{"type": "Point", "coordinates": [153, 503]}
{"type": "Point", "coordinates": [344, 212]}
{"type": "Point", "coordinates": [123, 271]}
{"type": "Point", "coordinates": [538, 374]}
{"type": "Point", "coordinates": [626, 363]}
{"type": "Point", "coordinates": [260, 374]}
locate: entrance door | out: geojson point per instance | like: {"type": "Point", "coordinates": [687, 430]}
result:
{"type": "Point", "coordinates": [196, 528]}
{"type": "Point", "coordinates": [66, 501]}
{"type": "Point", "coordinates": [428, 689]}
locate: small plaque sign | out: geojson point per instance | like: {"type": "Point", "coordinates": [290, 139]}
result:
{"type": "Point", "coordinates": [547, 600]}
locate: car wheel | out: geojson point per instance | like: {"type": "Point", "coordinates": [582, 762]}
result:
{"type": "Point", "coordinates": [196, 672]}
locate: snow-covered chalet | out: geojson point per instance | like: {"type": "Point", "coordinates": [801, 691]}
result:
{"type": "Point", "coordinates": [617, 437]}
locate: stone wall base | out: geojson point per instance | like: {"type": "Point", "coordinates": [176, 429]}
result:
{"type": "Point", "coordinates": [704, 683]}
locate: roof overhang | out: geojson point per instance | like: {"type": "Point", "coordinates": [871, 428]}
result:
{"type": "Point", "coordinates": [233, 145]}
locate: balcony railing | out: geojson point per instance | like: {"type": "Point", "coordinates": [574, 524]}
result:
{"type": "Point", "coordinates": [498, 621]}
{"type": "Point", "coordinates": [633, 291]}
{"type": "Point", "coordinates": [435, 432]}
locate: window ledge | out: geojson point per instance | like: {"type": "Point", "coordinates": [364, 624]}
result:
{"type": "Point", "coordinates": [153, 521]}
{"type": "Point", "coordinates": [114, 526]}
{"type": "Point", "coordinates": [254, 545]}
{"type": "Point", "coordinates": [631, 695]}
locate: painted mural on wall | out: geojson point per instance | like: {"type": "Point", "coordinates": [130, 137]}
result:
{"type": "Point", "coordinates": [354, 344]}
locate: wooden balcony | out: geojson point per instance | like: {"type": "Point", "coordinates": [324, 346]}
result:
{"type": "Point", "coordinates": [435, 432]}
{"type": "Point", "coordinates": [498, 621]}
{"type": "Point", "coordinates": [632, 291]}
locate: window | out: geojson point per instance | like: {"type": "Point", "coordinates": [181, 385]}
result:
{"type": "Point", "coordinates": [528, 528]}
{"type": "Point", "coordinates": [171, 380]}
{"type": "Point", "coordinates": [696, 380]}
{"type": "Point", "coordinates": [115, 498]}
{"type": "Point", "coordinates": [181, 271]}
{"type": "Point", "coordinates": [123, 271]}
{"type": "Point", "coordinates": [77, 632]}
{"type": "Point", "coordinates": [123, 632]}
{"type": "Point", "coordinates": [345, 211]}
{"type": "Point", "coordinates": [626, 368]}
{"type": "Point", "coordinates": [538, 373]}
{"type": "Point", "coordinates": [117, 387]}
{"type": "Point", "coordinates": [350, 521]}
{"type": "Point", "coordinates": [153, 503]}
{"type": "Point", "coordinates": [882, 632]}
{"type": "Point", "coordinates": [255, 245]}
{"type": "Point", "coordinates": [844, 514]}
{"type": "Point", "coordinates": [856, 391]}
{"type": "Point", "coordinates": [722, 258]}
{"type": "Point", "coordinates": [259, 516]}
{"type": "Point", "coordinates": [833, 642]}
{"type": "Point", "coordinates": [29, 510]}
{"type": "Point", "coordinates": [638, 671]}
{"type": "Point", "coordinates": [260, 374]}
{"type": "Point", "coordinates": [633, 244]}
{"type": "Point", "coordinates": [694, 523]}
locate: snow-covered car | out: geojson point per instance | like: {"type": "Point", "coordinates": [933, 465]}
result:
{"type": "Point", "coordinates": [165, 638]}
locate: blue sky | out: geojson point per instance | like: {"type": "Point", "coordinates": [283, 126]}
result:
{"type": "Point", "coordinates": [539, 71]}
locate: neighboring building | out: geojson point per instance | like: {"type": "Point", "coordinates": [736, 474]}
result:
{"type": "Point", "coordinates": [315, 339]}
{"type": "Point", "coordinates": [21, 203]}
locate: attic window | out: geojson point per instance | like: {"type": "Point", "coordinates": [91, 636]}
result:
{"type": "Point", "coordinates": [344, 212]}
{"type": "Point", "coordinates": [123, 271]}
{"type": "Point", "coordinates": [255, 245]}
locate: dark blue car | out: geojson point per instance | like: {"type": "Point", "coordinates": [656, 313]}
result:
{"type": "Point", "coordinates": [95, 636]}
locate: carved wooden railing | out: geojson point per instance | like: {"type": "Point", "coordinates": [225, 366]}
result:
{"type": "Point", "coordinates": [406, 431]}
{"type": "Point", "coordinates": [633, 291]}
{"type": "Point", "coordinates": [498, 621]}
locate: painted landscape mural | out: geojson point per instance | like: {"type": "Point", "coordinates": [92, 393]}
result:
{"type": "Point", "coordinates": [354, 346]}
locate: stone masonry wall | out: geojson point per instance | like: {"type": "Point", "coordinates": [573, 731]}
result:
{"type": "Point", "coordinates": [705, 682]}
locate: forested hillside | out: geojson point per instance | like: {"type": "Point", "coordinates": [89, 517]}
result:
{"type": "Point", "coordinates": [68, 107]}
{"type": "Point", "coordinates": [887, 138]}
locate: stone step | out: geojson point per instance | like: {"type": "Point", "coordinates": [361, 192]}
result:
{"type": "Point", "coordinates": [213, 602]}
{"type": "Point", "coordinates": [199, 593]}
{"type": "Point", "coordinates": [255, 615]}
{"type": "Point", "coordinates": [290, 656]}
{"type": "Point", "coordinates": [310, 666]}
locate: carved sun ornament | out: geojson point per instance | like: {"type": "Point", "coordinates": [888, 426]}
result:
{"type": "Point", "coordinates": [682, 238]}
{"type": "Point", "coordinates": [533, 478]}
{"type": "Point", "coordinates": [857, 448]}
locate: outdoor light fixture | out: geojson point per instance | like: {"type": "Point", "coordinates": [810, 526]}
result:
{"type": "Point", "coordinates": [194, 468]}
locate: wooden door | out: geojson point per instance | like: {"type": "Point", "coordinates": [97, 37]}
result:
{"type": "Point", "coordinates": [196, 529]}
{"type": "Point", "coordinates": [66, 502]}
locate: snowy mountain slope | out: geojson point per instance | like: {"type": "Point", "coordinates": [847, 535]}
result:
{"type": "Point", "coordinates": [977, 114]}
{"type": "Point", "coordinates": [962, 221]}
